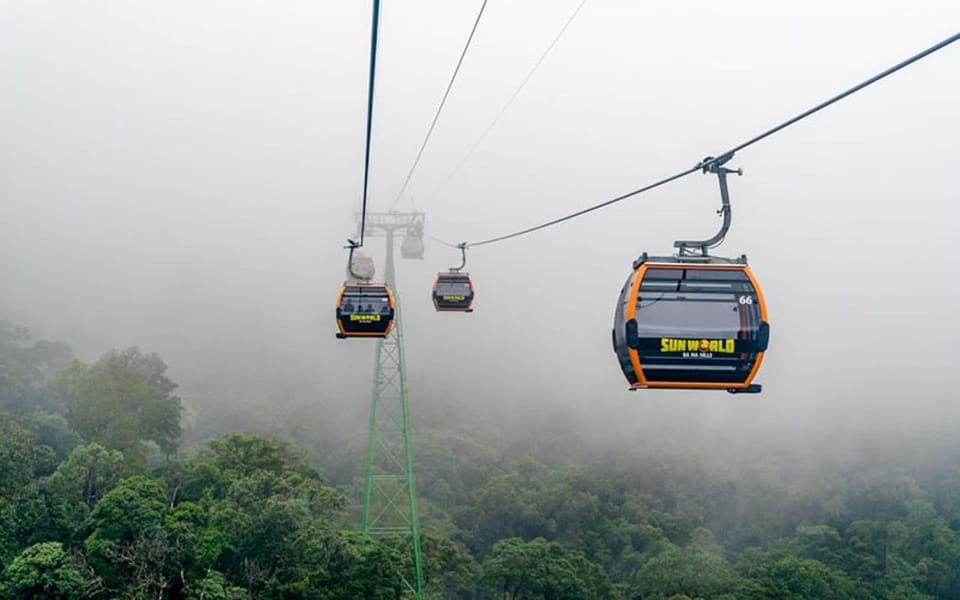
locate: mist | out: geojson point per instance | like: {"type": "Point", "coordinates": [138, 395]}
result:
{"type": "Point", "coordinates": [183, 176]}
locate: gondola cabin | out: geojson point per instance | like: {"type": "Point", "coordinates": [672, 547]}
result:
{"type": "Point", "coordinates": [365, 310]}
{"type": "Point", "coordinates": [453, 292]}
{"type": "Point", "coordinates": [696, 323]}
{"type": "Point", "coordinates": [361, 267]}
{"type": "Point", "coordinates": [411, 247]}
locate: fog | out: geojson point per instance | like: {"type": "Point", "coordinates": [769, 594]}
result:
{"type": "Point", "coordinates": [182, 176]}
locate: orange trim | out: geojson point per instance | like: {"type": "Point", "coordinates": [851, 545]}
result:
{"type": "Point", "coordinates": [632, 312]}
{"type": "Point", "coordinates": [339, 304]}
{"type": "Point", "coordinates": [763, 319]}
{"type": "Point", "coordinates": [630, 315]}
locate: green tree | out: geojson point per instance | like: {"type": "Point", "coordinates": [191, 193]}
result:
{"type": "Point", "coordinates": [46, 571]}
{"type": "Point", "coordinates": [448, 568]}
{"type": "Point", "coordinates": [794, 578]}
{"type": "Point", "coordinates": [16, 472]}
{"type": "Point", "coordinates": [52, 430]}
{"type": "Point", "coordinates": [16, 456]}
{"type": "Point", "coordinates": [122, 401]}
{"type": "Point", "coordinates": [213, 586]}
{"type": "Point", "coordinates": [77, 484]}
{"type": "Point", "coordinates": [690, 570]}
{"type": "Point", "coordinates": [541, 569]}
{"type": "Point", "coordinates": [26, 370]}
{"type": "Point", "coordinates": [127, 544]}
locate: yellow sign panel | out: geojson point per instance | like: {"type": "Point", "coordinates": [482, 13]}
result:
{"type": "Point", "coordinates": [454, 298]}
{"type": "Point", "coordinates": [365, 318]}
{"type": "Point", "coordinates": [680, 345]}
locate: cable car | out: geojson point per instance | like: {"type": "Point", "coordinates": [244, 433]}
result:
{"type": "Point", "coordinates": [360, 266]}
{"type": "Point", "coordinates": [694, 325]}
{"type": "Point", "coordinates": [453, 291]}
{"type": "Point", "coordinates": [411, 247]}
{"type": "Point", "coordinates": [365, 310]}
{"type": "Point", "coordinates": [692, 320]}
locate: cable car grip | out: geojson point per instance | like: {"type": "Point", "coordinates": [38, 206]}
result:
{"type": "Point", "coordinates": [463, 257]}
{"type": "Point", "coordinates": [701, 248]}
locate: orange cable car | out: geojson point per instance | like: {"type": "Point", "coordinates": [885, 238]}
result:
{"type": "Point", "coordinates": [692, 321]}
{"type": "Point", "coordinates": [364, 309]}
{"type": "Point", "coordinates": [690, 325]}
{"type": "Point", "coordinates": [453, 291]}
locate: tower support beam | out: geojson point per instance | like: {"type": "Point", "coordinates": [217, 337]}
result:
{"type": "Point", "coordinates": [389, 491]}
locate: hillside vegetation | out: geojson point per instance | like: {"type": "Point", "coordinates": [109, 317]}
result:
{"type": "Point", "coordinates": [101, 498]}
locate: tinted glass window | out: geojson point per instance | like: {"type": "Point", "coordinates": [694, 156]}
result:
{"type": "Point", "coordinates": [453, 288]}
{"type": "Point", "coordinates": [365, 300]}
{"type": "Point", "coordinates": [688, 303]}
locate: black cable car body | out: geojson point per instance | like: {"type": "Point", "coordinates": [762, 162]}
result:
{"type": "Point", "coordinates": [364, 309]}
{"type": "Point", "coordinates": [453, 291]}
{"type": "Point", "coordinates": [692, 321]}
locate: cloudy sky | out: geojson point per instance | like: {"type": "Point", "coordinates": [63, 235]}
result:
{"type": "Point", "coordinates": [181, 176]}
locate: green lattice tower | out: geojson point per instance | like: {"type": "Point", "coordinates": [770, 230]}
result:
{"type": "Point", "coordinates": [390, 495]}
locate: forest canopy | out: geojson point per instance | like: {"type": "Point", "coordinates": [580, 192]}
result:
{"type": "Point", "coordinates": [101, 497]}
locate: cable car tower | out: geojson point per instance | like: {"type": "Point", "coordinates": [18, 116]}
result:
{"type": "Point", "coordinates": [389, 491]}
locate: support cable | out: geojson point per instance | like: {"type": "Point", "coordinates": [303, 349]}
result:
{"type": "Point", "coordinates": [439, 241]}
{"type": "Point", "coordinates": [374, 30]}
{"type": "Point", "coordinates": [513, 97]}
{"type": "Point", "coordinates": [706, 164]}
{"type": "Point", "coordinates": [586, 210]}
{"type": "Point", "coordinates": [840, 96]}
{"type": "Point", "coordinates": [440, 108]}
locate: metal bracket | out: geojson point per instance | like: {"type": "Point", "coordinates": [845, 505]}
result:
{"type": "Point", "coordinates": [700, 248]}
{"type": "Point", "coordinates": [463, 257]}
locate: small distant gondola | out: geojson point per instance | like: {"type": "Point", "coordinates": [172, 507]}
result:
{"type": "Point", "coordinates": [453, 291]}
{"type": "Point", "coordinates": [365, 310]}
{"type": "Point", "coordinates": [361, 267]}
{"type": "Point", "coordinates": [692, 321]}
{"type": "Point", "coordinates": [412, 244]}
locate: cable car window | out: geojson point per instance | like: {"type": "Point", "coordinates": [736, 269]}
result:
{"type": "Point", "coordinates": [685, 316]}
{"type": "Point", "coordinates": [663, 274]}
{"type": "Point", "coordinates": [726, 275]}
{"type": "Point", "coordinates": [695, 303]}
{"type": "Point", "coordinates": [453, 288]}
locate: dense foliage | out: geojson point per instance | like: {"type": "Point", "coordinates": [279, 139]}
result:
{"type": "Point", "coordinates": [99, 500]}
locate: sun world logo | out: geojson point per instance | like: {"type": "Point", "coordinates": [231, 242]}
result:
{"type": "Point", "coordinates": [365, 318]}
{"type": "Point", "coordinates": [704, 345]}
